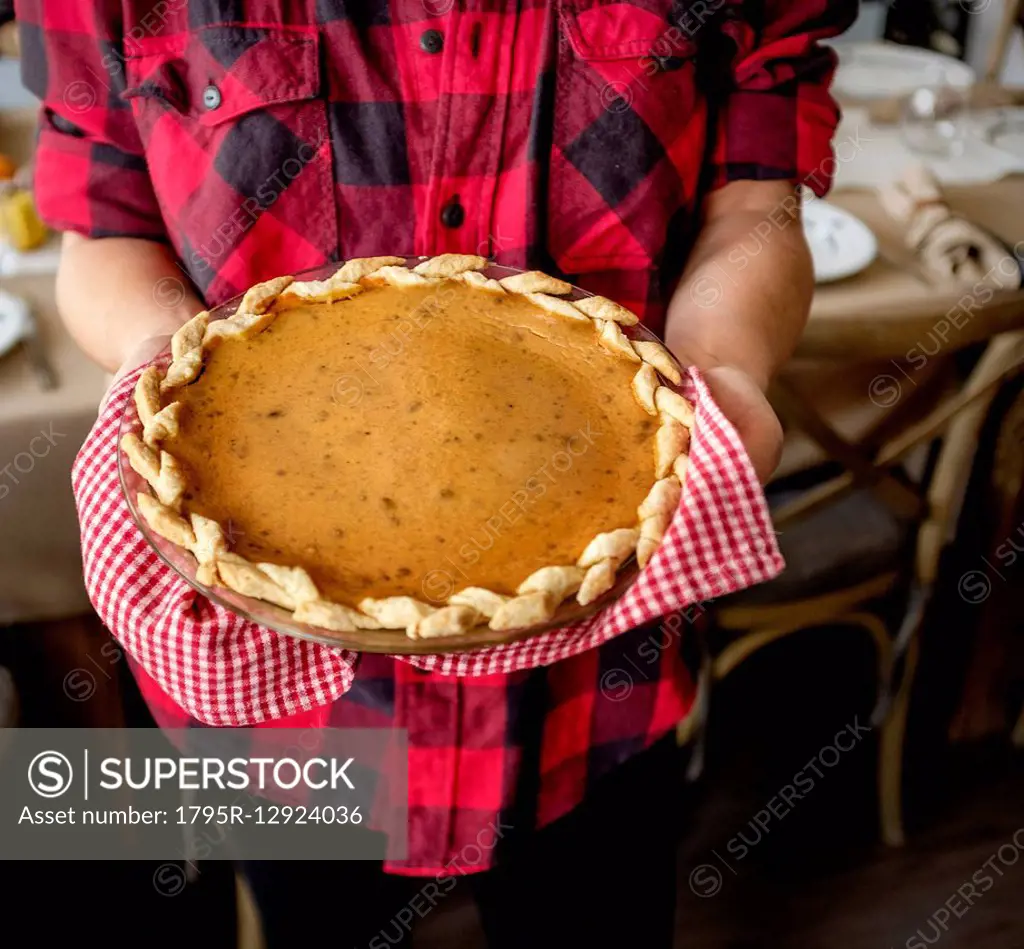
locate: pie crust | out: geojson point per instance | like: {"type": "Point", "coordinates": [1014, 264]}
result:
{"type": "Point", "coordinates": [538, 596]}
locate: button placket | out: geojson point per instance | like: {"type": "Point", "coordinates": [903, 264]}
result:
{"type": "Point", "coordinates": [452, 223]}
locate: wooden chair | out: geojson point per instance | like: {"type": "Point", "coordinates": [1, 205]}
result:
{"type": "Point", "coordinates": [1001, 42]}
{"type": "Point", "coordinates": [999, 615]}
{"type": "Point", "coordinates": [917, 520]}
{"type": "Point", "coordinates": [250, 928]}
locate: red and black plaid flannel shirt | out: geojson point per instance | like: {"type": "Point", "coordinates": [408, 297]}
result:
{"type": "Point", "coordinates": [575, 136]}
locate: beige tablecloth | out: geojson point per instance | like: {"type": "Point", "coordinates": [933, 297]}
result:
{"type": "Point", "coordinates": [881, 152]}
{"type": "Point", "coordinates": [891, 307]}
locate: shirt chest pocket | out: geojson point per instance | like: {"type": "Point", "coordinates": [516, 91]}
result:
{"type": "Point", "coordinates": [628, 134]}
{"type": "Point", "coordinates": [237, 145]}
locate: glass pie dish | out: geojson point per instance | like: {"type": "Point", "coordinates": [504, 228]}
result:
{"type": "Point", "coordinates": [393, 641]}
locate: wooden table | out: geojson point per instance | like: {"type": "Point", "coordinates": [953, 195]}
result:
{"type": "Point", "coordinates": [887, 310]}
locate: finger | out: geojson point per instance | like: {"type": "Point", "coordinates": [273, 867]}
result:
{"type": "Point", "coordinates": [762, 437]}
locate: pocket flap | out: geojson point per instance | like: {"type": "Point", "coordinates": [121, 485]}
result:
{"type": "Point", "coordinates": [217, 73]}
{"type": "Point", "coordinates": [628, 29]}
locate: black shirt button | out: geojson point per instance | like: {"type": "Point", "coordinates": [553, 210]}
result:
{"type": "Point", "coordinates": [453, 213]}
{"type": "Point", "coordinates": [432, 41]}
{"type": "Point", "coordinates": [211, 97]}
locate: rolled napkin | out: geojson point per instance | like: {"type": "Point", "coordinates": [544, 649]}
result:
{"type": "Point", "coordinates": [952, 249]}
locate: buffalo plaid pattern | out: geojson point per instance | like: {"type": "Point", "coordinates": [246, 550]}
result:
{"type": "Point", "coordinates": [575, 136]}
{"type": "Point", "coordinates": [571, 135]}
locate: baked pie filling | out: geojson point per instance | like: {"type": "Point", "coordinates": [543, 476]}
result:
{"type": "Point", "coordinates": [426, 449]}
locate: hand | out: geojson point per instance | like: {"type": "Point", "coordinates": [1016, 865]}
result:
{"type": "Point", "coordinates": [738, 317]}
{"type": "Point", "coordinates": [744, 404]}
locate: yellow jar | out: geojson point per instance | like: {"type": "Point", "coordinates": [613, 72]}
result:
{"type": "Point", "coordinates": [19, 223]}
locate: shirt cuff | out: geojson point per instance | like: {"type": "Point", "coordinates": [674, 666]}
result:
{"type": "Point", "coordinates": [93, 188]}
{"type": "Point", "coordinates": [780, 130]}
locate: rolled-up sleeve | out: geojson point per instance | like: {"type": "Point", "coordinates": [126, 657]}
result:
{"type": "Point", "coordinates": [90, 169]}
{"type": "Point", "coordinates": [778, 118]}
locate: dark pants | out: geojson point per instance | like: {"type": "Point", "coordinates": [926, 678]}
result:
{"type": "Point", "coordinates": [604, 875]}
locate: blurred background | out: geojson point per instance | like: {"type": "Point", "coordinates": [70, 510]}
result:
{"type": "Point", "coordinates": [854, 771]}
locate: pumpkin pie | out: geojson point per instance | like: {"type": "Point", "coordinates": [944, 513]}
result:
{"type": "Point", "coordinates": [418, 447]}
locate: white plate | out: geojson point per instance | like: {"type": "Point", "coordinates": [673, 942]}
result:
{"type": "Point", "coordinates": [13, 321]}
{"type": "Point", "coordinates": [841, 244]}
{"type": "Point", "coordinates": [42, 260]}
{"type": "Point", "coordinates": [887, 70]}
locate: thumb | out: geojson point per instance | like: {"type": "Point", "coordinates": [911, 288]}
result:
{"type": "Point", "coordinates": [746, 407]}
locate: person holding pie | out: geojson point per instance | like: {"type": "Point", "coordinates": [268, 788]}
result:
{"type": "Point", "coordinates": [195, 152]}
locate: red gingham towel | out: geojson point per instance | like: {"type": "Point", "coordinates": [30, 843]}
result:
{"type": "Point", "coordinates": [227, 671]}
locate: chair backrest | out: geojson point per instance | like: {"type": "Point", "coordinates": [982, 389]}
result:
{"type": "Point", "coordinates": [954, 421]}
{"type": "Point", "coordinates": [1011, 18]}
{"type": "Point", "coordinates": [1003, 357]}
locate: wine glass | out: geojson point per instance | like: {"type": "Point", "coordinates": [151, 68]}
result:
{"type": "Point", "coordinates": [934, 121]}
